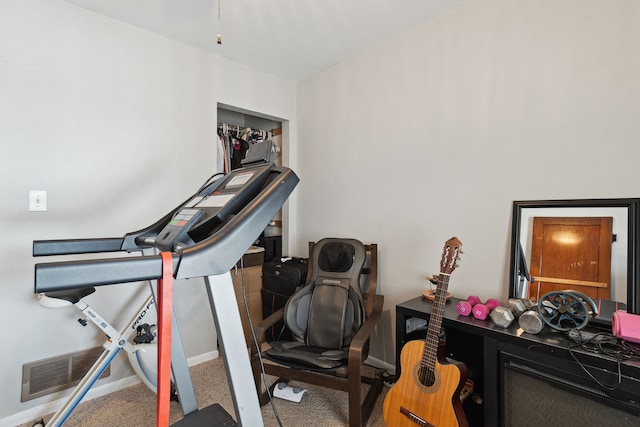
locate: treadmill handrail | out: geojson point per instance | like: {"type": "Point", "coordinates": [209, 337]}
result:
{"type": "Point", "coordinates": [229, 243]}
{"type": "Point", "coordinates": [76, 246]}
{"type": "Point", "coordinates": [66, 275]}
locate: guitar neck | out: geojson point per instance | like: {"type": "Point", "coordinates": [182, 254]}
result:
{"type": "Point", "coordinates": [430, 354]}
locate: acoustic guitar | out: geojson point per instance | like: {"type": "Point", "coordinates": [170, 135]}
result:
{"type": "Point", "coordinates": [428, 391]}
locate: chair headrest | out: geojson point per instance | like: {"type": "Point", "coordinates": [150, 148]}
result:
{"type": "Point", "coordinates": [336, 257]}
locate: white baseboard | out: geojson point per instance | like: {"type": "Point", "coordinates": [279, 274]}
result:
{"type": "Point", "coordinates": [40, 411]}
{"type": "Point", "coordinates": [204, 357]}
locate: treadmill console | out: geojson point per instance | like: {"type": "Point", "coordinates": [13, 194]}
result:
{"type": "Point", "coordinates": [176, 231]}
{"type": "Point", "coordinates": [216, 203]}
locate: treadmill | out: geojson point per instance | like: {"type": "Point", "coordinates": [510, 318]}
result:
{"type": "Point", "coordinates": [205, 236]}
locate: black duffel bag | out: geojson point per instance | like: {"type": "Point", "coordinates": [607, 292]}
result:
{"type": "Point", "coordinates": [281, 277]}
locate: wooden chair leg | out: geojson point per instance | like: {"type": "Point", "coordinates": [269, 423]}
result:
{"type": "Point", "coordinates": [355, 410]}
{"type": "Point", "coordinates": [375, 389]}
{"type": "Point", "coordinates": [263, 396]}
{"type": "Point", "coordinates": [360, 411]}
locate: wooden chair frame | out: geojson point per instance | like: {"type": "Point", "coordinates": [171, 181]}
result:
{"type": "Point", "coordinates": [358, 350]}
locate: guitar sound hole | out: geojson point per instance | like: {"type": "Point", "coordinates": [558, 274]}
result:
{"type": "Point", "coordinates": [426, 376]}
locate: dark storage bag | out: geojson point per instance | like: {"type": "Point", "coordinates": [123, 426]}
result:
{"type": "Point", "coordinates": [271, 302]}
{"type": "Point", "coordinates": [284, 277]}
{"type": "Point", "coordinates": [280, 279]}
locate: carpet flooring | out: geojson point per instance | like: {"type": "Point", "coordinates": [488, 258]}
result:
{"type": "Point", "coordinates": [136, 405]}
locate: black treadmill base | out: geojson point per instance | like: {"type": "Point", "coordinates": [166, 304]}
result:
{"type": "Point", "coordinates": [213, 415]}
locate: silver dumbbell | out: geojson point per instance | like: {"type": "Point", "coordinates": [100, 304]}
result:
{"type": "Point", "coordinates": [504, 316]}
{"type": "Point", "coordinates": [531, 321]}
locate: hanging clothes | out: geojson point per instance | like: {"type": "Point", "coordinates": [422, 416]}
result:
{"type": "Point", "coordinates": [235, 141]}
{"type": "Point", "coordinates": [240, 147]}
{"type": "Point", "coordinates": [221, 154]}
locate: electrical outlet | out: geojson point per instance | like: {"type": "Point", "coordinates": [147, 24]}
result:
{"type": "Point", "coordinates": [37, 200]}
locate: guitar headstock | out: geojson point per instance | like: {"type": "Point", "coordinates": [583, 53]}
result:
{"type": "Point", "coordinates": [450, 254]}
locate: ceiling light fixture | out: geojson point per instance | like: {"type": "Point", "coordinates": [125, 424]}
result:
{"type": "Point", "coordinates": [219, 25]}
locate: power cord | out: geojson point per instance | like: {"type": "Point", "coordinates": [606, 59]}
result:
{"type": "Point", "coordinates": [255, 341]}
{"type": "Point", "coordinates": [602, 343]}
{"type": "Point", "coordinates": [208, 182]}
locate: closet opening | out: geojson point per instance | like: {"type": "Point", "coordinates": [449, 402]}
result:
{"type": "Point", "coordinates": [237, 130]}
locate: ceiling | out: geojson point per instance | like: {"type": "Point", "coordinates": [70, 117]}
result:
{"type": "Point", "coordinates": [293, 39]}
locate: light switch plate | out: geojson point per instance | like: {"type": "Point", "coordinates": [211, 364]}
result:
{"type": "Point", "coordinates": [37, 200]}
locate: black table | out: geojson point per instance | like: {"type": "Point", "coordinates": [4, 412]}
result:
{"type": "Point", "coordinates": [493, 354]}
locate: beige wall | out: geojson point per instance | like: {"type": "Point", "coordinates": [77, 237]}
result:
{"type": "Point", "coordinates": [436, 132]}
{"type": "Point", "coordinates": [118, 126]}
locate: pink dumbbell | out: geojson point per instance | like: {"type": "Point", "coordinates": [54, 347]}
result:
{"type": "Point", "coordinates": [482, 311]}
{"type": "Point", "coordinates": [464, 308]}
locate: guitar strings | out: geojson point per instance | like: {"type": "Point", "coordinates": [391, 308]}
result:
{"type": "Point", "coordinates": [426, 373]}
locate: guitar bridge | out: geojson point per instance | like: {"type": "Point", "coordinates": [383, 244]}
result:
{"type": "Point", "coordinates": [416, 419]}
